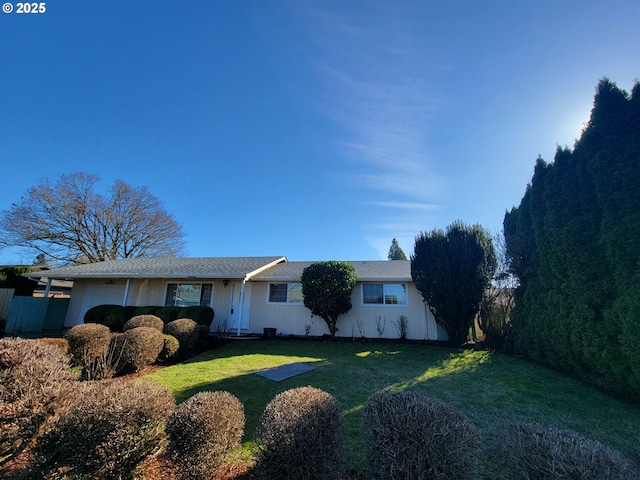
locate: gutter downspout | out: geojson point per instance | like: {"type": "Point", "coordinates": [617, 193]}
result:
{"type": "Point", "coordinates": [47, 289]}
{"type": "Point", "coordinates": [244, 282]}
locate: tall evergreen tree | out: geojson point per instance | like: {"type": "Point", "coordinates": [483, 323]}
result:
{"type": "Point", "coordinates": [395, 252]}
{"type": "Point", "coordinates": [574, 244]}
{"type": "Point", "coordinates": [452, 270]}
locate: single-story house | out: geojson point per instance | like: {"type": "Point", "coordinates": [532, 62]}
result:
{"type": "Point", "coordinates": [249, 294]}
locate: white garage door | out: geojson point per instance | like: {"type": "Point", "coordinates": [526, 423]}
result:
{"type": "Point", "coordinates": [101, 295]}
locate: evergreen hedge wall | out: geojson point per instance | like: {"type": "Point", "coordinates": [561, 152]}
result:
{"type": "Point", "coordinates": [574, 244]}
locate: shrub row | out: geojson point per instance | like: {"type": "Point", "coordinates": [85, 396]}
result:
{"type": "Point", "coordinates": [103, 354]}
{"type": "Point", "coordinates": [35, 384]}
{"type": "Point", "coordinates": [115, 316]}
{"type": "Point", "coordinates": [104, 429]}
{"type": "Point", "coordinates": [110, 429]}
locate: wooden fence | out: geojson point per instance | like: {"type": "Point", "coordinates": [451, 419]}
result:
{"type": "Point", "coordinates": [34, 315]}
{"type": "Point", "coordinates": [6, 295]}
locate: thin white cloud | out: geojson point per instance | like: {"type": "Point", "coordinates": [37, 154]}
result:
{"type": "Point", "coordinates": [408, 205]}
{"type": "Point", "coordinates": [377, 84]}
{"type": "Point", "coordinates": [374, 86]}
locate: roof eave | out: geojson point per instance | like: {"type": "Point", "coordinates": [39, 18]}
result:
{"type": "Point", "coordinates": [385, 279]}
{"type": "Point", "coordinates": [234, 276]}
{"type": "Point", "coordinates": [360, 279]}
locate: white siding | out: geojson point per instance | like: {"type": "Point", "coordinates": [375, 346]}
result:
{"type": "Point", "coordinates": [142, 292]}
{"type": "Point", "coordinates": [291, 319]}
{"type": "Point", "coordinates": [287, 319]}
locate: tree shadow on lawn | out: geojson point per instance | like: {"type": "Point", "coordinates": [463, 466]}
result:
{"type": "Point", "coordinates": [492, 389]}
{"type": "Point", "coordinates": [350, 372]}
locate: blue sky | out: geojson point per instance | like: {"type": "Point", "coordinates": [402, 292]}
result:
{"type": "Point", "coordinates": [312, 129]}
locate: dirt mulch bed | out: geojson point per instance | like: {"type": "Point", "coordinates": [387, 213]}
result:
{"type": "Point", "coordinates": [162, 468]}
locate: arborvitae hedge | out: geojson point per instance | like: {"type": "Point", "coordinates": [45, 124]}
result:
{"type": "Point", "coordinates": [574, 244]}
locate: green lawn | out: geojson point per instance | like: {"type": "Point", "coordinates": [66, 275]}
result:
{"type": "Point", "coordinates": [492, 389]}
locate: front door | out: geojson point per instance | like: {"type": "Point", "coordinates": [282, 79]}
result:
{"type": "Point", "coordinates": [238, 308]}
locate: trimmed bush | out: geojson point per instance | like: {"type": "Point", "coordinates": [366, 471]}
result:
{"type": "Point", "coordinates": [112, 316]}
{"type": "Point", "coordinates": [169, 314]}
{"type": "Point", "coordinates": [88, 342]}
{"type": "Point", "coordinates": [170, 348]}
{"type": "Point", "coordinates": [137, 348]}
{"type": "Point", "coordinates": [203, 430]}
{"type": "Point", "coordinates": [35, 384]}
{"type": "Point", "coordinates": [119, 315]}
{"type": "Point", "coordinates": [547, 453]}
{"type": "Point", "coordinates": [201, 315]}
{"type": "Point", "coordinates": [115, 316]}
{"type": "Point", "coordinates": [60, 343]}
{"type": "Point", "coordinates": [411, 435]}
{"type": "Point", "coordinates": [300, 435]}
{"type": "Point", "coordinates": [186, 331]}
{"type": "Point", "coordinates": [99, 314]}
{"type": "Point", "coordinates": [144, 321]}
{"type": "Point", "coordinates": [108, 432]}
{"type": "Point", "coordinates": [147, 310]}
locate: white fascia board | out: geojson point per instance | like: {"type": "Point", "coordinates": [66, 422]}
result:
{"type": "Point", "coordinates": [385, 279]}
{"type": "Point", "coordinates": [145, 276]}
{"type": "Point", "coordinates": [265, 267]}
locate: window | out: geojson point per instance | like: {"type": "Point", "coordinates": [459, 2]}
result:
{"type": "Point", "coordinates": [188, 294]}
{"type": "Point", "coordinates": [384, 294]}
{"type": "Point", "coordinates": [285, 293]}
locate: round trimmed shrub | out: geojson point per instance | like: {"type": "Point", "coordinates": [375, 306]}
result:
{"type": "Point", "coordinates": [411, 435]}
{"type": "Point", "coordinates": [88, 342]}
{"type": "Point", "coordinates": [137, 348]}
{"type": "Point", "coordinates": [146, 320]}
{"type": "Point", "coordinates": [300, 435]}
{"type": "Point", "coordinates": [203, 430]}
{"type": "Point", "coordinates": [108, 432]}
{"type": "Point", "coordinates": [35, 384]}
{"type": "Point", "coordinates": [547, 453]}
{"type": "Point", "coordinates": [186, 331]}
{"type": "Point", "coordinates": [170, 348]}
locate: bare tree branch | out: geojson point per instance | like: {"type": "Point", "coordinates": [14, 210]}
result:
{"type": "Point", "coordinates": [69, 223]}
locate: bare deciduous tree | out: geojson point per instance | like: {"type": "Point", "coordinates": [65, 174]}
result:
{"type": "Point", "coordinates": [69, 223]}
{"type": "Point", "coordinates": [494, 317]}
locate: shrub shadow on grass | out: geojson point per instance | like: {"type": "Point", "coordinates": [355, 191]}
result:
{"type": "Point", "coordinates": [490, 388]}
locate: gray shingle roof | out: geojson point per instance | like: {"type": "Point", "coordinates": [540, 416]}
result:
{"type": "Point", "coordinates": [262, 268]}
{"type": "Point", "coordinates": [165, 267]}
{"type": "Point", "coordinates": [369, 270]}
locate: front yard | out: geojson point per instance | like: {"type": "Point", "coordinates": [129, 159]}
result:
{"type": "Point", "coordinates": [491, 389]}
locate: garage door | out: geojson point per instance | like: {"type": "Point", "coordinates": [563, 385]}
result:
{"type": "Point", "coordinates": [101, 295]}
